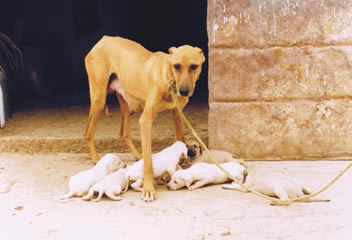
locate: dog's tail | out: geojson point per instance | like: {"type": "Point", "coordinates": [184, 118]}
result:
{"type": "Point", "coordinates": [65, 197]}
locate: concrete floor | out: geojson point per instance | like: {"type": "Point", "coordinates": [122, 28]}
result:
{"type": "Point", "coordinates": [29, 210]}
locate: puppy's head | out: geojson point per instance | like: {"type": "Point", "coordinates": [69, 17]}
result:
{"type": "Point", "coordinates": [186, 63]}
{"type": "Point", "coordinates": [176, 182]}
{"type": "Point", "coordinates": [194, 150]}
{"type": "Point", "coordinates": [112, 162]}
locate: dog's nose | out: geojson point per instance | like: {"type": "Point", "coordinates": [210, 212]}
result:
{"type": "Point", "coordinates": [184, 91]}
{"type": "Point", "coordinates": [191, 153]}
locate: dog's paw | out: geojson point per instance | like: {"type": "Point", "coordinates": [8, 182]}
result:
{"type": "Point", "coordinates": [115, 198]}
{"type": "Point", "coordinates": [192, 188]}
{"type": "Point", "coordinates": [148, 193]}
{"type": "Point", "coordinates": [232, 186]}
{"type": "Point", "coordinates": [86, 198]}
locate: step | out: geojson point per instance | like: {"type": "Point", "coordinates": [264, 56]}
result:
{"type": "Point", "coordinates": [60, 130]}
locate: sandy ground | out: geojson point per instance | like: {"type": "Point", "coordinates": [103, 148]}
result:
{"type": "Point", "coordinates": [30, 209]}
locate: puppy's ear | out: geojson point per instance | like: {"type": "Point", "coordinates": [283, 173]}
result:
{"type": "Point", "coordinates": [182, 159]}
{"type": "Point", "coordinates": [201, 54]}
{"type": "Point", "coordinates": [172, 50]}
{"type": "Point", "coordinates": [200, 149]}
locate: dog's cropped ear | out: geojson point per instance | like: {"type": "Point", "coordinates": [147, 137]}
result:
{"type": "Point", "coordinates": [172, 50]}
{"type": "Point", "coordinates": [200, 149]}
{"type": "Point", "coordinates": [201, 54]}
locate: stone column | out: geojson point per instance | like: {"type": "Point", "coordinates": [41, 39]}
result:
{"type": "Point", "coordinates": [280, 78]}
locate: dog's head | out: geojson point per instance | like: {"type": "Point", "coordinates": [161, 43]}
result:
{"type": "Point", "coordinates": [111, 162]}
{"type": "Point", "coordinates": [178, 180]}
{"type": "Point", "coordinates": [194, 150]}
{"type": "Point", "coordinates": [186, 63]}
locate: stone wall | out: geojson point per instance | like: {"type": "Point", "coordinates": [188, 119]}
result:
{"type": "Point", "coordinates": [280, 78]}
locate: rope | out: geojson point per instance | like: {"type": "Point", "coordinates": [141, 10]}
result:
{"type": "Point", "coordinates": [274, 201]}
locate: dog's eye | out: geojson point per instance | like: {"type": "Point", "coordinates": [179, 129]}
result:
{"type": "Point", "coordinates": [195, 145]}
{"type": "Point", "coordinates": [177, 67]}
{"type": "Point", "coordinates": [193, 67]}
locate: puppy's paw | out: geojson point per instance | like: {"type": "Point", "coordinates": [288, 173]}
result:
{"type": "Point", "coordinates": [192, 188]}
{"type": "Point", "coordinates": [232, 186]}
{"type": "Point", "coordinates": [86, 198]}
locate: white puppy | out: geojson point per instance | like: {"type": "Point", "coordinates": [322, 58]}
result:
{"type": "Point", "coordinates": [80, 183]}
{"type": "Point", "coordinates": [202, 174]}
{"type": "Point", "coordinates": [164, 162]}
{"type": "Point", "coordinates": [112, 185]}
{"type": "Point", "coordinates": [272, 184]}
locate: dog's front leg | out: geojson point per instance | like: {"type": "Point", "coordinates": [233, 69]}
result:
{"type": "Point", "coordinates": [145, 122]}
{"type": "Point", "coordinates": [199, 184]}
{"type": "Point", "coordinates": [178, 122]}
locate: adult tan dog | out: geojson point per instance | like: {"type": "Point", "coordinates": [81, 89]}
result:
{"type": "Point", "coordinates": [140, 79]}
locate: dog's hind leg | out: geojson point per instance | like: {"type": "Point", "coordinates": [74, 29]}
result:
{"type": "Point", "coordinates": [113, 194]}
{"type": "Point", "coordinates": [98, 81]}
{"type": "Point", "coordinates": [100, 195]}
{"type": "Point", "coordinates": [280, 193]}
{"type": "Point", "coordinates": [90, 195]}
{"type": "Point", "coordinates": [125, 131]}
{"type": "Point", "coordinates": [137, 185]}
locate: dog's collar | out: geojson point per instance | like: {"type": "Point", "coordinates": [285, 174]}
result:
{"type": "Point", "coordinates": [171, 85]}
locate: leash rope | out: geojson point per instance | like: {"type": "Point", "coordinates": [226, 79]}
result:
{"type": "Point", "coordinates": [274, 201]}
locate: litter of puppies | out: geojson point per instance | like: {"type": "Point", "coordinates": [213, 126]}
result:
{"type": "Point", "coordinates": [178, 166]}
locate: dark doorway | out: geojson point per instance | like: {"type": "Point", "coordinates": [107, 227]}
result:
{"type": "Point", "coordinates": [55, 36]}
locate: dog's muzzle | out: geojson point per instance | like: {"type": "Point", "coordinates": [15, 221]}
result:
{"type": "Point", "coordinates": [191, 153]}
{"type": "Point", "coordinates": [184, 91]}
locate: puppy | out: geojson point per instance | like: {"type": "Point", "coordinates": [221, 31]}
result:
{"type": "Point", "coordinates": [272, 184]}
{"type": "Point", "coordinates": [164, 162]}
{"type": "Point", "coordinates": [80, 183]}
{"type": "Point", "coordinates": [112, 185]}
{"type": "Point", "coordinates": [196, 154]}
{"type": "Point", "coordinates": [202, 174]}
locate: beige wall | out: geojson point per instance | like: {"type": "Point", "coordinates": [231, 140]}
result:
{"type": "Point", "coordinates": [280, 78]}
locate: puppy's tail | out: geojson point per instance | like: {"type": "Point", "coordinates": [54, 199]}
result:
{"type": "Point", "coordinates": [65, 197]}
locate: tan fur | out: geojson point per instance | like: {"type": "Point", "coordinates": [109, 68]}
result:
{"type": "Point", "coordinates": [142, 77]}
{"type": "Point", "coordinates": [200, 155]}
